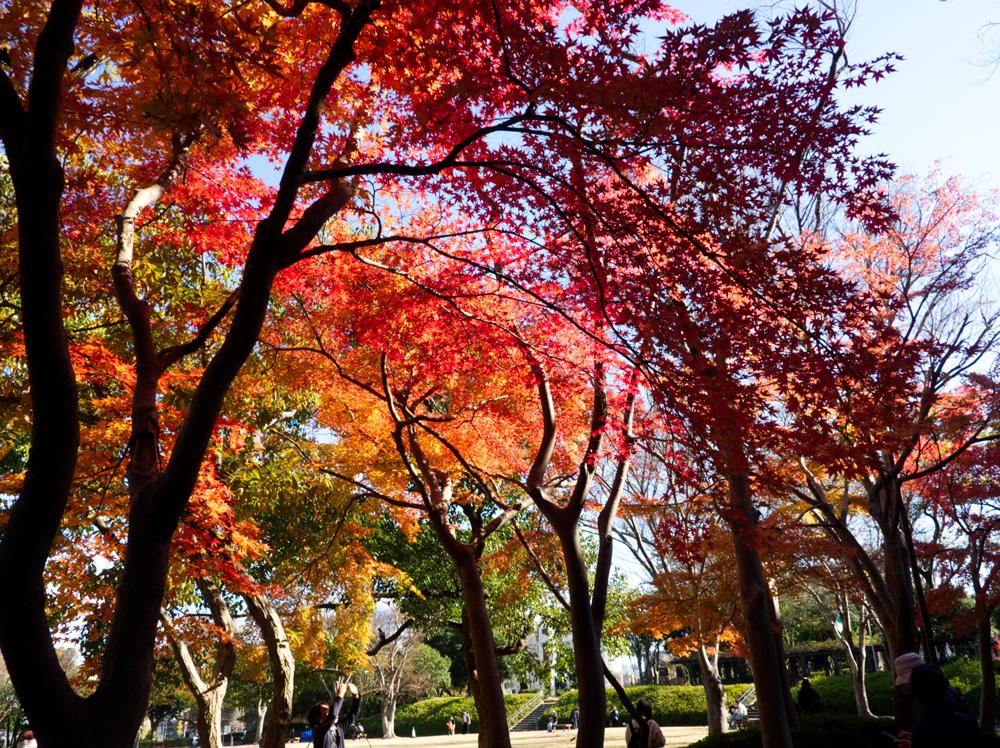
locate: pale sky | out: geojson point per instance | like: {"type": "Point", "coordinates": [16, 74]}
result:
{"type": "Point", "coordinates": [943, 101]}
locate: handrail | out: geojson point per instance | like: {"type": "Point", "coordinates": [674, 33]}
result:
{"type": "Point", "coordinates": [525, 709]}
{"type": "Point", "coordinates": [749, 697]}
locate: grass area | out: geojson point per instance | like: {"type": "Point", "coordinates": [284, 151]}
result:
{"type": "Point", "coordinates": [430, 715]}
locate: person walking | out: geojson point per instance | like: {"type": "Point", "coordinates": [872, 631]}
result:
{"type": "Point", "coordinates": [466, 721]}
{"type": "Point", "coordinates": [574, 716]}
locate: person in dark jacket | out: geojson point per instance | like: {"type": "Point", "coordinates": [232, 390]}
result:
{"type": "Point", "coordinates": [809, 698]}
{"type": "Point", "coordinates": [940, 723]}
{"type": "Point", "coordinates": [329, 721]}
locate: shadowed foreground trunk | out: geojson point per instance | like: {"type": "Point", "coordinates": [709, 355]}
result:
{"type": "Point", "coordinates": [988, 695]}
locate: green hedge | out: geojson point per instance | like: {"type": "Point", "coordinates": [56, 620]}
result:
{"type": "Point", "coordinates": [838, 693]}
{"type": "Point", "coordinates": [430, 715]}
{"type": "Point", "coordinates": [672, 705]}
{"type": "Point", "coordinates": [685, 705]}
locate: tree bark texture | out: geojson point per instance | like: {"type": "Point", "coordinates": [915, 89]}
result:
{"type": "Point", "coordinates": [591, 693]}
{"type": "Point", "coordinates": [209, 695]}
{"type": "Point", "coordinates": [768, 667]}
{"type": "Point", "coordinates": [715, 694]}
{"type": "Point", "coordinates": [901, 630]}
{"type": "Point", "coordinates": [389, 716]}
{"type": "Point", "coordinates": [281, 662]}
{"type": "Point", "coordinates": [485, 681]}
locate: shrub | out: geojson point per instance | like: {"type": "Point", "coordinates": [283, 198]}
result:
{"type": "Point", "coordinates": [838, 694]}
{"type": "Point", "coordinates": [430, 715]}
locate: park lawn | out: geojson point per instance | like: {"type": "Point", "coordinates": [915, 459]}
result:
{"type": "Point", "coordinates": [429, 716]}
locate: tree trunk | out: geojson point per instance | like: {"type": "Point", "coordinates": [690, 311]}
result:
{"type": "Point", "coordinates": [484, 679]}
{"type": "Point", "coordinates": [855, 654]}
{"type": "Point", "coordinates": [208, 695]}
{"type": "Point", "coordinates": [389, 715]}
{"type": "Point", "coordinates": [465, 632]}
{"type": "Point", "coordinates": [209, 717]}
{"type": "Point", "coordinates": [261, 712]}
{"type": "Point", "coordinates": [282, 665]}
{"type": "Point", "coordinates": [902, 629]}
{"type": "Point", "coordinates": [591, 693]}
{"type": "Point", "coordinates": [30, 145]}
{"type": "Point", "coordinates": [768, 667]}
{"type": "Point", "coordinates": [856, 663]}
{"type": "Point", "coordinates": [715, 694]}
{"type": "Point", "coordinates": [988, 695]}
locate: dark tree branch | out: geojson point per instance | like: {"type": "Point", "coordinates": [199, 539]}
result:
{"type": "Point", "coordinates": [12, 114]}
{"type": "Point", "coordinates": [169, 356]}
{"type": "Point", "coordinates": [540, 568]}
{"type": "Point", "coordinates": [384, 640]}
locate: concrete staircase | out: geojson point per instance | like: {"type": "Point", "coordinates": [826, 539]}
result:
{"type": "Point", "coordinates": [749, 700]}
{"type": "Point", "coordinates": [530, 720]}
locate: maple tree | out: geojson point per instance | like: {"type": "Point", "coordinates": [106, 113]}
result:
{"type": "Point", "coordinates": [209, 693]}
{"type": "Point", "coordinates": [962, 499]}
{"type": "Point", "coordinates": [820, 570]}
{"type": "Point", "coordinates": [910, 373]}
{"type": "Point", "coordinates": [430, 411]}
{"type": "Point", "coordinates": [672, 529]}
{"type": "Point", "coordinates": [645, 189]}
{"type": "Point", "coordinates": [677, 254]}
{"type": "Point", "coordinates": [397, 667]}
{"type": "Point", "coordinates": [175, 130]}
